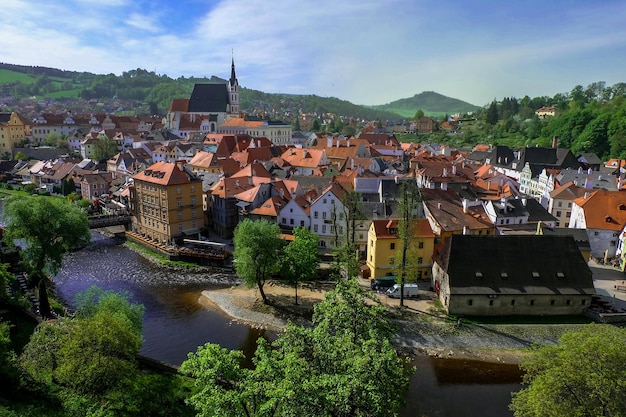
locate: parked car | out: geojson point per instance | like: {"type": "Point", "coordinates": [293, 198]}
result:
{"type": "Point", "coordinates": [410, 291]}
{"type": "Point", "coordinates": [383, 283]}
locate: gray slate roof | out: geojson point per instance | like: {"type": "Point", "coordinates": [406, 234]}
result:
{"type": "Point", "coordinates": [516, 264]}
{"type": "Point", "coordinates": [208, 98]}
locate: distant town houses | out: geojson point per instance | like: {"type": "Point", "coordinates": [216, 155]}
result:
{"type": "Point", "coordinates": [206, 166]}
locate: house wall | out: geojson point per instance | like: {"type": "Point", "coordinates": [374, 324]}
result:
{"type": "Point", "coordinates": [326, 215]}
{"type": "Point", "coordinates": [163, 212]}
{"type": "Point", "coordinates": [562, 210]}
{"type": "Point", "coordinates": [293, 216]}
{"type": "Point", "coordinates": [603, 242]}
{"type": "Point", "coordinates": [224, 215]}
{"type": "Point", "coordinates": [381, 258]}
{"type": "Point", "coordinates": [517, 304]}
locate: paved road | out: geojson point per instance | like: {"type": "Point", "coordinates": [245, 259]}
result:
{"type": "Point", "coordinates": [606, 279]}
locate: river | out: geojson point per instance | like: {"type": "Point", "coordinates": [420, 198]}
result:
{"type": "Point", "coordinates": [175, 323]}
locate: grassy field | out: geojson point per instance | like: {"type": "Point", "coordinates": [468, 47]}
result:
{"type": "Point", "coordinates": [7, 76]}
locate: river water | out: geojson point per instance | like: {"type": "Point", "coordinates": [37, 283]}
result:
{"type": "Point", "coordinates": [175, 323]}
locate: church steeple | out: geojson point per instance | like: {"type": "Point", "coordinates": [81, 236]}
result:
{"type": "Point", "coordinates": [233, 89]}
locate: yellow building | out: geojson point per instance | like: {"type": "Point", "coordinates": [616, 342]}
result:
{"type": "Point", "coordinates": [13, 130]}
{"type": "Point", "coordinates": [166, 203]}
{"type": "Point", "coordinates": [384, 249]}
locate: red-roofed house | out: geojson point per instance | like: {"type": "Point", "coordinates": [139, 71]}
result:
{"type": "Point", "coordinates": [305, 161]}
{"type": "Point", "coordinates": [166, 203]}
{"type": "Point", "coordinates": [603, 214]}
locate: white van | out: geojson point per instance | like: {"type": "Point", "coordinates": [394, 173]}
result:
{"type": "Point", "coordinates": [410, 291]}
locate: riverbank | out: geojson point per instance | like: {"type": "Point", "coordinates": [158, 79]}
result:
{"type": "Point", "coordinates": [421, 330]}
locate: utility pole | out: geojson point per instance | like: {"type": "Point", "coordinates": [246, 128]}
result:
{"type": "Point", "coordinates": [405, 242]}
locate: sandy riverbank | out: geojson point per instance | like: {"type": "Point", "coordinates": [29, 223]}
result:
{"type": "Point", "coordinates": [420, 330]}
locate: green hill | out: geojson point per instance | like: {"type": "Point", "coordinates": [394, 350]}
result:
{"type": "Point", "coordinates": [431, 103]}
{"type": "Point", "coordinates": [157, 92]}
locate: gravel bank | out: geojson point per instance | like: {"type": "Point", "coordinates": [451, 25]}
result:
{"type": "Point", "coordinates": [238, 307]}
{"type": "Point", "coordinates": [419, 335]}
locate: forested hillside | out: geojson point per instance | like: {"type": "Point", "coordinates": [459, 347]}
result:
{"type": "Point", "coordinates": [157, 91]}
{"type": "Point", "coordinates": [591, 119]}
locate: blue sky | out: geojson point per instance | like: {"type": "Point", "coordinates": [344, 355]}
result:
{"type": "Point", "coordinates": [364, 51]}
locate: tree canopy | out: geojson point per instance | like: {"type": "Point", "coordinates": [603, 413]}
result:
{"type": "Point", "coordinates": [89, 361]}
{"type": "Point", "coordinates": [300, 257]}
{"type": "Point", "coordinates": [339, 367]}
{"type": "Point", "coordinates": [48, 228]}
{"type": "Point", "coordinates": [257, 246]}
{"type": "Point", "coordinates": [582, 375]}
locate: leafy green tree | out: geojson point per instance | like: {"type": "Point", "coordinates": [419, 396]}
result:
{"type": "Point", "coordinates": [6, 278]}
{"type": "Point", "coordinates": [594, 137]}
{"type": "Point", "coordinates": [52, 139]}
{"type": "Point", "coordinates": [104, 148]}
{"type": "Point", "coordinates": [300, 257]}
{"type": "Point", "coordinates": [418, 114]}
{"type": "Point", "coordinates": [491, 117]}
{"type": "Point", "coordinates": [68, 186]}
{"type": "Point", "coordinates": [88, 359]}
{"type": "Point", "coordinates": [348, 130]}
{"type": "Point", "coordinates": [49, 228]}
{"type": "Point", "coordinates": [408, 210]}
{"type": "Point", "coordinates": [257, 245]}
{"type": "Point", "coordinates": [339, 367]}
{"type": "Point", "coordinates": [315, 127]}
{"type": "Point", "coordinates": [20, 156]}
{"type": "Point", "coordinates": [582, 375]}
{"type": "Point", "coordinates": [10, 375]}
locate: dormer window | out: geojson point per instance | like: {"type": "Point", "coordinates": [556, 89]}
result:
{"type": "Point", "coordinates": [479, 275]}
{"type": "Point", "coordinates": [536, 275]}
{"type": "Point", "coordinates": [504, 275]}
{"type": "Point", "coordinates": [560, 275]}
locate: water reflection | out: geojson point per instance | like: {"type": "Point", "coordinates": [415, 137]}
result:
{"type": "Point", "coordinates": [459, 388]}
{"type": "Point", "coordinates": [175, 323]}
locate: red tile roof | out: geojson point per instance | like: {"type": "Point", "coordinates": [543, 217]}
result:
{"type": "Point", "coordinates": [162, 173]}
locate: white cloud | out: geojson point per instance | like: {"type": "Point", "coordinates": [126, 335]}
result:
{"type": "Point", "coordinates": [368, 52]}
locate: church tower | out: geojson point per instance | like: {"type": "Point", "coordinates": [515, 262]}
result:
{"type": "Point", "coordinates": [233, 91]}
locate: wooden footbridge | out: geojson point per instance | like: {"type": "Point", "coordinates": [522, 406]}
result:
{"type": "Point", "coordinates": [109, 220]}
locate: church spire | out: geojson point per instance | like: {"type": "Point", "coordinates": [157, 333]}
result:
{"type": "Point", "coordinates": [233, 77]}
{"type": "Point", "coordinates": [233, 90]}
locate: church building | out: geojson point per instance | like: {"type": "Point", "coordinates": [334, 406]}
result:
{"type": "Point", "coordinates": [208, 107]}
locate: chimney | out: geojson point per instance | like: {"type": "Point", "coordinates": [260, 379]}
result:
{"type": "Point", "coordinates": [348, 143]}
{"type": "Point", "coordinates": [488, 185]}
{"type": "Point", "coordinates": [580, 170]}
{"type": "Point", "coordinates": [589, 183]}
{"type": "Point", "coordinates": [453, 169]}
{"type": "Point", "coordinates": [589, 171]}
{"type": "Point", "coordinates": [524, 201]}
{"type": "Point", "coordinates": [465, 230]}
{"type": "Point", "coordinates": [329, 142]}
{"type": "Point", "coordinates": [439, 206]}
{"type": "Point", "coordinates": [445, 172]}
{"type": "Point", "coordinates": [586, 196]}
{"type": "Point", "coordinates": [555, 141]}
{"type": "Point", "coordinates": [444, 186]}
{"type": "Point", "coordinates": [465, 205]}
